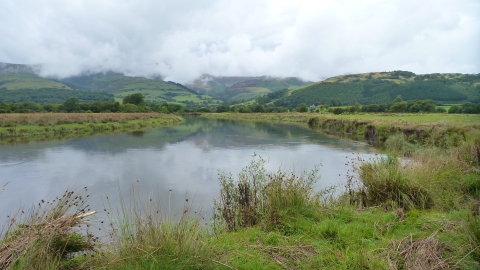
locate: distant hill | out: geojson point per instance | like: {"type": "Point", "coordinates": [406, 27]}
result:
{"type": "Point", "coordinates": [242, 88]}
{"type": "Point", "coordinates": [20, 83]}
{"type": "Point", "coordinates": [383, 87]}
{"type": "Point", "coordinates": [154, 90]}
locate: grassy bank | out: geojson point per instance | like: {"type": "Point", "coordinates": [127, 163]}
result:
{"type": "Point", "coordinates": [41, 126]}
{"type": "Point", "coordinates": [439, 130]}
{"type": "Point", "coordinates": [270, 117]}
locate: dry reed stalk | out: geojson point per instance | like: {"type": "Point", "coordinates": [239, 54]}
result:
{"type": "Point", "coordinates": [46, 231]}
{"type": "Point", "coordinates": [418, 254]}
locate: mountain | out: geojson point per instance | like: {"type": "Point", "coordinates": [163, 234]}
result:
{"type": "Point", "coordinates": [383, 87]}
{"type": "Point", "coordinates": [20, 83]}
{"type": "Point", "coordinates": [154, 90]}
{"type": "Point", "coordinates": [242, 88]}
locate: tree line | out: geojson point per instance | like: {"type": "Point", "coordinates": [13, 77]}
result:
{"type": "Point", "coordinates": [130, 104]}
{"type": "Point", "coordinates": [45, 96]}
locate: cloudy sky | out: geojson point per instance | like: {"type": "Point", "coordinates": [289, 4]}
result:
{"type": "Point", "coordinates": [181, 39]}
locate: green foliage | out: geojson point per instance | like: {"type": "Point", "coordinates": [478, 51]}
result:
{"type": "Point", "coordinates": [383, 88]}
{"type": "Point", "coordinates": [45, 96]}
{"type": "Point", "coordinates": [272, 96]}
{"type": "Point", "coordinates": [71, 105]}
{"type": "Point", "coordinates": [398, 105]}
{"type": "Point", "coordinates": [135, 99]}
{"type": "Point", "coordinates": [302, 108]}
{"type": "Point", "coordinates": [465, 108]}
{"type": "Point", "coordinates": [322, 93]}
{"type": "Point", "coordinates": [221, 109]}
{"type": "Point", "coordinates": [258, 108]}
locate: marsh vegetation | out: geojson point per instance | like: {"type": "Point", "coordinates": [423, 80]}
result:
{"type": "Point", "coordinates": [416, 207]}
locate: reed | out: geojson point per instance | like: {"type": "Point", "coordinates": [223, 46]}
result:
{"type": "Point", "coordinates": [257, 196]}
{"type": "Point", "coordinates": [49, 236]}
{"type": "Point", "coordinates": [144, 235]}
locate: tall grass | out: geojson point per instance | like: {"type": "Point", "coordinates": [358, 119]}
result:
{"type": "Point", "coordinates": [387, 181]}
{"type": "Point", "coordinates": [48, 236]}
{"type": "Point", "coordinates": [144, 237]}
{"type": "Point", "coordinates": [426, 178]}
{"type": "Point", "coordinates": [257, 196]}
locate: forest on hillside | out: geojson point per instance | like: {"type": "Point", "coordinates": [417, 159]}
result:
{"type": "Point", "coordinates": [367, 90]}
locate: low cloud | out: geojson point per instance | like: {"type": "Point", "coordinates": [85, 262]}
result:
{"type": "Point", "coordinates": [181, 39]}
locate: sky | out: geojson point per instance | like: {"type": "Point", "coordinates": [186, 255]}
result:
{"type": "Point", "coordinates": [182, 39]}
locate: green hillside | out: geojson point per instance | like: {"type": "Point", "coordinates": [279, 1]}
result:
{"type": "Point", "coordinates": [242, 88]}
{"type": "Point", "coordinates": [215, 85]}
{"type": "Point", "coordinates": [154, 90]}
{"type": "Point", "coordinates": [27, 80]}
{"type": "Point", "coordinates": [20, 83]}
{"type": "Point", "coordinates": [383, 87]}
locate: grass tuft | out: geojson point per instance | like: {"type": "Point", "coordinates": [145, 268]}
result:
{"type": "Point", "coordinates": [258, 196]}
{"type": "Point", "coordinates": [48, 236]}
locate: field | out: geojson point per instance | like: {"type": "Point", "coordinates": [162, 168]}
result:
{"type": "Point", "coordinates": [43, 126]}
{"type": "Point", "coordinates": [417, 118]}
{"type": "Point", "coordinates": [453, 119]}
{"type": "Point", "coordinates": [172, 95]}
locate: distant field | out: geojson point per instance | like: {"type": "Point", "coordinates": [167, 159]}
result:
{"type": "Point", "coordinates": [446, 107]}
{"type": "Point", "coordinates": [173, 95]}
{"type": "Point", "coordinates": [436, 117]}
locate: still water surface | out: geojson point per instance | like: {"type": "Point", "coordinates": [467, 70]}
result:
{"type": "Point", "coordinates": [185, 158]}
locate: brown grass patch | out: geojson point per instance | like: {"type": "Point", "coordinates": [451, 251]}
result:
{"type": "Point", "coordinates": [51, 119]}
{"type": "Point", "coordinates": [409, 253]}
{"type": "Point", "coordinates": [287, 256]}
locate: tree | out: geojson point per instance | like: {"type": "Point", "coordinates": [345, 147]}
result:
{"type": "Point", "coordinates": [398, 105]}
{"type": "Point", "coordinates": [71, 105]}
{"type": "Point", "coordinates": [302, 108]}
{"type": "Point", "coordinates": [135, 99]}
{"type": "Point", "coordinates": [259, 108]}
{"type": "Point", "coordinates": [221, 109]}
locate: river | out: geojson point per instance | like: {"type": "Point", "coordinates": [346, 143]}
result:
{"type": "Point", "coordinates": [185, 159]}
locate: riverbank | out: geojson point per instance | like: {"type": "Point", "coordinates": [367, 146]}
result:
{"type": "Point", "coordinates": [392, 213]}
{"type": "Point", "coordinates": [439, 130]}
{"type": "Point", "coordinates": [44, 126]}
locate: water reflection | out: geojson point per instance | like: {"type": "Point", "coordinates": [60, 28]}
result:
{"type": "Point", "coordinates": [184, 158]}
